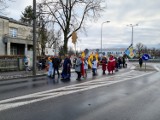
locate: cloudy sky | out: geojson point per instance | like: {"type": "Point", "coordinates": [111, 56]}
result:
{"type": "Point", "coordinates": [116, 33]}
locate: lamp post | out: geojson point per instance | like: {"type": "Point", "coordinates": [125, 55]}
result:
{"type": "Point", "coordinates": [132, 31]}
{"type": "Point", "coordinates": [34, 38]}
{"type": "Point", "coordinates": [101, 33]}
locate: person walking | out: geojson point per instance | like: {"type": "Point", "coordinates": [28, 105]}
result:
{"type": "Point", "coordinates": [126, 62]}
{"type": "Point", "coordinates": [78, 67]}
{"type": "Point", "coordinates": [140, 62]}
{"type": "Point", "coordinates": [66, 72]}
{"type": "Point", "coordinates": [50, 67]}
{"type": "Point", "coordinates": [85, 66]}
{"type": "Point", "coordinates": [27, 63]}
{"type": "Point", "coordinates": [111, 64]}
{"type": "Point", "coordinates": [104, 64]}
{"type": "Point", "coordinates": [116, 64]}
{"type": "Point", "coordinates": [123, 61]}
{"type": "Point", "coordinates": [94, 66]}
{"type": "Point", "coordinates": [56, 64]}
{"type": "Point", "coordinates": [119, 62]}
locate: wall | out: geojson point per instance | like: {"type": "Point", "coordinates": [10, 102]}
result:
{"type": "Point", "coordinates": [3, 30]}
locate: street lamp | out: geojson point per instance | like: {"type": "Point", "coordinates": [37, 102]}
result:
{"type": "Point", "coordinates": [101, 33]}
{"type": "Point", "coordinates": [34, 38]}
{"type": "Point", "coordinates": [132, 31]}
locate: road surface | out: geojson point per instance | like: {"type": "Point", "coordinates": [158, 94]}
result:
{"type": "Point", "coordinates": [126, 95]}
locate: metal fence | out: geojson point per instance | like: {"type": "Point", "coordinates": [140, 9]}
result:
{"type": "Point", "coordinates": [150, 60]}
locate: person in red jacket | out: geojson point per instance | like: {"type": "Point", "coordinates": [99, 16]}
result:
{"type": "Point", "coordinates": [111, 64]}
{"type": "Point", "coordinates": [82, 68]}
{"type": "Point", "coordinates": [104, 64]}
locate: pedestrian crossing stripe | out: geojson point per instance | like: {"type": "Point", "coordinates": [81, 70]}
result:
{"type": "Point", "coordinates": [53, 93]}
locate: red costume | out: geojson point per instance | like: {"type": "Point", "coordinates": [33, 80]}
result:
{"type": "Point", "coordinates": [82, 68]}
{"type": "Point", "coordinates": [111, 64]}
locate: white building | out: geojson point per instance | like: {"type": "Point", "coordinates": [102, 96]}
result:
{"type": "Point", "coordinates": [107, 51]}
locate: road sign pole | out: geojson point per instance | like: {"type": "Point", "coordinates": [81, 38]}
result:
{"type": "Point", "coordinates": [145, 66]}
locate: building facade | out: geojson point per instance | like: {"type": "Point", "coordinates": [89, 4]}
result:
{"type": "Point", "coordinates": [107, 51]}
{"type": "Point", "coordinates": [15, 37]}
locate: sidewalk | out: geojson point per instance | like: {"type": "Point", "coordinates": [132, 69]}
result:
{"type": "Point", "coordinates": [23, 74]}
{"type": "Point", "coordinates": [147, 68]}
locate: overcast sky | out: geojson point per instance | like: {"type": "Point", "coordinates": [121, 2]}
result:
{"type": "Point", "coordinates": [116, 34]}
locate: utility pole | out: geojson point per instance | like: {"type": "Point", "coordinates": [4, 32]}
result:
{"type": "Point", "coordinates": [34, 38]}
{"type": "Point", "coordinates": [101, 33]}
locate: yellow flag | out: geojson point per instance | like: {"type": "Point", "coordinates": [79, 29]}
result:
{"type": "Point", "coordinates": [97, 56]}
{"type": "Point", "coordinates": [83, 54]}
{"type": "Point", "coordinates": [90, 59]}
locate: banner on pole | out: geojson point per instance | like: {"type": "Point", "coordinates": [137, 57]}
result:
{"type": "Point", "coordinates": [130, 52]}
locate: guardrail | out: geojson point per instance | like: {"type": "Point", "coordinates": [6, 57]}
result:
{"type": "Point", "coordinates": [150, 60]}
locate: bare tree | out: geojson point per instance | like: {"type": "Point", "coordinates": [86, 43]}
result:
{"type": "Point", "coordinates": [47, 36]}
{"type": "Point", "coordinates": [54, 38]}
{"type": "Point", "coordinates": [71, 15]}
{"type": "Point", "coordinates": [140, 47]}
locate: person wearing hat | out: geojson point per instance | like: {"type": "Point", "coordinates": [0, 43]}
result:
{"type": "Point", "coordinates": [78, 67]}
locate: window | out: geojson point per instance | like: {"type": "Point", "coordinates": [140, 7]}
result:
{"type": "Point", "coordinates": [13, 50]}
{"type": "Point", "coordinates": [13, 32]}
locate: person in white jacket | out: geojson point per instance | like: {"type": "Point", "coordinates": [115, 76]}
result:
{"type": "Point", "coordinates": [94, 66]}
{"type": "Point", "coordinates": [85, 66]}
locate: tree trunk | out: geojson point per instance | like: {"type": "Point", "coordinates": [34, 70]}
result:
{"type": "Point", "coordinates": [65, 46]}
{"type": "Point", "coordinates": [43, 51]}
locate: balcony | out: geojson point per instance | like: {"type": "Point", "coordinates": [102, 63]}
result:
{"type": "Point", "coordinates": [18, 39]}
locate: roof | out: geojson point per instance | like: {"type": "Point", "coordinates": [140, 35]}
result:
{"type": "Point", "coordinates": [13, 20]}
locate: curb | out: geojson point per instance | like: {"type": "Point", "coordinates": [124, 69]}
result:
{"type": "Point", "coordinates": [5, 78]}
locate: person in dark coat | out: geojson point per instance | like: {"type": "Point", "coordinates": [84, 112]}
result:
{"type": "Point", "coordinates": [140, 62]}
{"type": "Point", "coordinates": [123, 61]}
{"type": "Point", "coordinates": [43, 63]}
{"type": "Point", "coordinates": [56, 64]}
{"type": "Point", "coordinates": [66, 72]}
{"type": "Point", "coordinates": [119, 62]}
{"type": "Point", "coordinates": [116, 64]}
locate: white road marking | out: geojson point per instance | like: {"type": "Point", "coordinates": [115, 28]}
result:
{"type": "Point", "coordinates": [40, 96]}
{"type": "Point", "coordinates": [157, 68]}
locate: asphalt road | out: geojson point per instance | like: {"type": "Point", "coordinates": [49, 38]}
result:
{"type": "Point", "coordinates": [23, 86]}
{"type": "Point", "coordinates": [126, 95]}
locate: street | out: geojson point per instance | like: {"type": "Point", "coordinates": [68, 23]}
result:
{"type": "Point", "coordinates": [126, 95]}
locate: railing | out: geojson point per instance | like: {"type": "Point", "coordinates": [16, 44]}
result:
{"type": "Point", "coordinates": [150, 60]}
{"type": "Point", "coordinates": [10, 63]}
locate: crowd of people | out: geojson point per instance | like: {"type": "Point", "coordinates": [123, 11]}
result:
{"type": "Point", "coordinates": [80, 65]}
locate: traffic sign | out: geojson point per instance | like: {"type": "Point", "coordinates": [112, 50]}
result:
{"type": "Point", "coordinates": [145, 57]}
